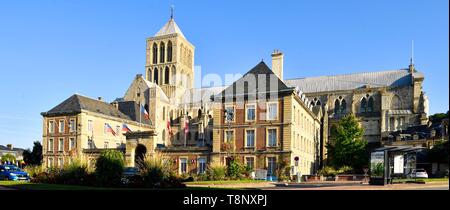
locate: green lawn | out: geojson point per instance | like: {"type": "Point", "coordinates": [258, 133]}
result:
{"type": "Point", "coordinates": [434, 180]}
{"type": "Point", "coordinates": [420, 180]}
{"type": "Point", "coordinates": [43, 186]}
{"type": "Point", "coordinates": [225, 182]}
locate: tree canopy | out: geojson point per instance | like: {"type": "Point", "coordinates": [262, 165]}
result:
{"type": "Point", "coordinates": [8, 158]}
{"type": "Point", "coordinates": [348, 149]}
{"type": "Point", "coordinates": [439, 153]}
{"type": "Point", "coordinates": [437, 118]}
{"type": "Point", "coordinates": [33, 157]}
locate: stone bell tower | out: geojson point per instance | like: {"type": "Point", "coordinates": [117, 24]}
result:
{"type": "Point", "coordinates": [170, 60]}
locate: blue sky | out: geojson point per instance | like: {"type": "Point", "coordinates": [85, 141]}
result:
{"type": "Point", "coordinates": [50, 50]}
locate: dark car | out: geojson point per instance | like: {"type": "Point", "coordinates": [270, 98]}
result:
{"type": "Point", "coordinates": [12, 172]}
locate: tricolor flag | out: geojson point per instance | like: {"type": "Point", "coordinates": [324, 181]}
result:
{"type": "Point", "coordinates": [169, 128]}
{"type": "Point", "coordinates": [186, 126]}
{"type": "Point", "coordinates": [144, 112]}
{"type": "Point", "coordinates": [125, 128]}
{"type": "Point", "coordinates": [108, 128]}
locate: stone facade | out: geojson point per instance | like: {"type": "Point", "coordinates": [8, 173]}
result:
{"type": "Point", "coordinates": [188, 125]}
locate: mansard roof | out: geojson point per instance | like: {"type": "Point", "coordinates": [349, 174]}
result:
{"type": "Point", "coordinates": [170, 28]}
{"type": "Point", "coordinates": [77, 103]}
{"type": "Point", "coordinates": [270, 83]}
{"type": "Point", "coordinates": [392, 78]}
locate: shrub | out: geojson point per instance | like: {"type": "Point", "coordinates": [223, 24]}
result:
{"type": "Point", "coordinates": [109, 168]}
{"type": "Point", "coordinates": [283, 170]}
{"type": "Point", "coordinates": [327, 171]}
{"type": "Point", "coordinates": [34, 170]}
{"type": "Point", "coordinates": [345, 170]}
{"type": "Point", "coordinates": [234, 169]}
{"type": "Point", "coordinates": [216, 171]}
{"type": "Point", "coordinates": [156, 172]}
{"type": "Point", "coordinates": [74, 173]}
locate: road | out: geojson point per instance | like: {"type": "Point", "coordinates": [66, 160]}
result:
{"type": "Point", "coordinates": [358, 186]}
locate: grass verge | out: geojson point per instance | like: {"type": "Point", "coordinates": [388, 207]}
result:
{"type": "Point", "coordinates": [43, 186]}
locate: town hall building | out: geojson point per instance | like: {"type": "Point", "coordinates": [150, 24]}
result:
{"type": "Point", "coordinates": [261, 119]}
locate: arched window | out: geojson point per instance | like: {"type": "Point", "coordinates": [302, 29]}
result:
{"type": "Point", "coordinates": [312, 103]}
{"type": "Point", "coordinates": [155, 53]}
{"type": "Point", "coordinates": [169, 51]}
{"type": "Point", "coordinates": [162, 52]}
{"type": "Point", "coordinates": [155, 75]}
{"type": "Point", "coordinates": [161, 74]}
{"type": "Point", "coordinates": [166, 76]}
{"type": "Point", "coordinates": [363, 107]}
{"type": "Point", "coordinates": [318, 103]}
{"type": "Point", "coordinates": [173, 76]}
{"type": "Point", "coordinates": [336, 106]}
{"type": "Point", "coordinates": [370, 105]}
{"type": "Point", "coordinates": [343, 106]}
{"type": "Point", "coordinates": [199, 113]}
{"type": "Point", "coordinates": [396, 103]}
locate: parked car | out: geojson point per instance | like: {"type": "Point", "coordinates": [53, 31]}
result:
{"type": "Point", "coordinates": [418, 173]}
{"type": "Point", "coordinates": [129, 172]}
{"type": "Point", "coordinates": [12, 172]}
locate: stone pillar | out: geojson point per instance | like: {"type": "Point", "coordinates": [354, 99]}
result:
{"type": "Point", "coordinates": [133, 139]}
{"type": "Point", "coordinates": [129, 152]}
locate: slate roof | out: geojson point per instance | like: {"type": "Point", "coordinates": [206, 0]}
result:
{"type": "Point", "coordinates": [76, 103]}
{"type": "Point", "coordinates": [197, 95]}
{"type": "Point", "coordinates": [4, 148]}
{"type": "Point", "coordinates": [260, 71]}
{"type": "Point", "coordinates": [393, 78]}
{"type": "Point", "coordinates": [170, 28]}
{"type": "Point", "coordinates": [132, 110]}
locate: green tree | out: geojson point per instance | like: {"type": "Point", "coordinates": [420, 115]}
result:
{"type": "Point", "coordinates": [33, 157]}
{"type": "Point", "coordinates": [439, 153]}
{"type": "Point", "coordinates": [234, 168]}
{"type": "Point", "coordinates": [348, 149]}
{"type": "Point", "coordinates": [438, 117]}
{"type": "Point", "coordinates": [109, 168]}
{"type": "Point", "coordinates": [8, 158]}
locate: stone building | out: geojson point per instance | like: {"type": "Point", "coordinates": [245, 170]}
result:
{"type": "Point", "coordinates": [261, 118]}
{"type": "Point", "coordinates": [79, 128]}
{"type": "Point", "coordinates": [384, 101]}
{"type": "Point", "coordinates": [261, 121]}
{"type": "Point", "coordinates": [10, 149]}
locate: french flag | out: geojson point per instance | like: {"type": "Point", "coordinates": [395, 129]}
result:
{"type": "Point", "coordinates": [144, 112]}
{"type": "Point", "coordinates": [169, 128]}
{"type": "Point", "coordinates": [125, 128]}
{"type": "Point", "coordinates": [186, 126]}
{"type": "Point", "coordinates": [109, 129]}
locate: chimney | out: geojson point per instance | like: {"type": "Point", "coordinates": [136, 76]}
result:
{"type": "Point", "coordinates": [277, 63]}
{"type": "Point", "coordinates": [9, 146]}
{"type": "Point", "coordinates": [115, 104]}
{"type": "Point", "coordinates": [100, 98]}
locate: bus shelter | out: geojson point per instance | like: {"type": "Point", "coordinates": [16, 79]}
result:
{"type": "Point", "coordinates": [391, 162]}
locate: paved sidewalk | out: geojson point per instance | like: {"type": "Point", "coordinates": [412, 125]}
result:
{"type": "Point", "coordinates": [428, 186]}
{"type": "Point", "coordinates": [240, 185]}
{"type": "Point", "coordinates": [6, 188]}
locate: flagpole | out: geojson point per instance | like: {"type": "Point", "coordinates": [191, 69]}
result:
{"type": "Point", "coordinates": [185, 125]}
{"type": "Point", "coordinates": [140, 113]}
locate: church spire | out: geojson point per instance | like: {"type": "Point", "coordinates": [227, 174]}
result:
{"type": "Point", "coordinates": [411, 62]}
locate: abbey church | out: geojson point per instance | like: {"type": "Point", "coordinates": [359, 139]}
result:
{"type": "Point", "coordinates": [261, 118]}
